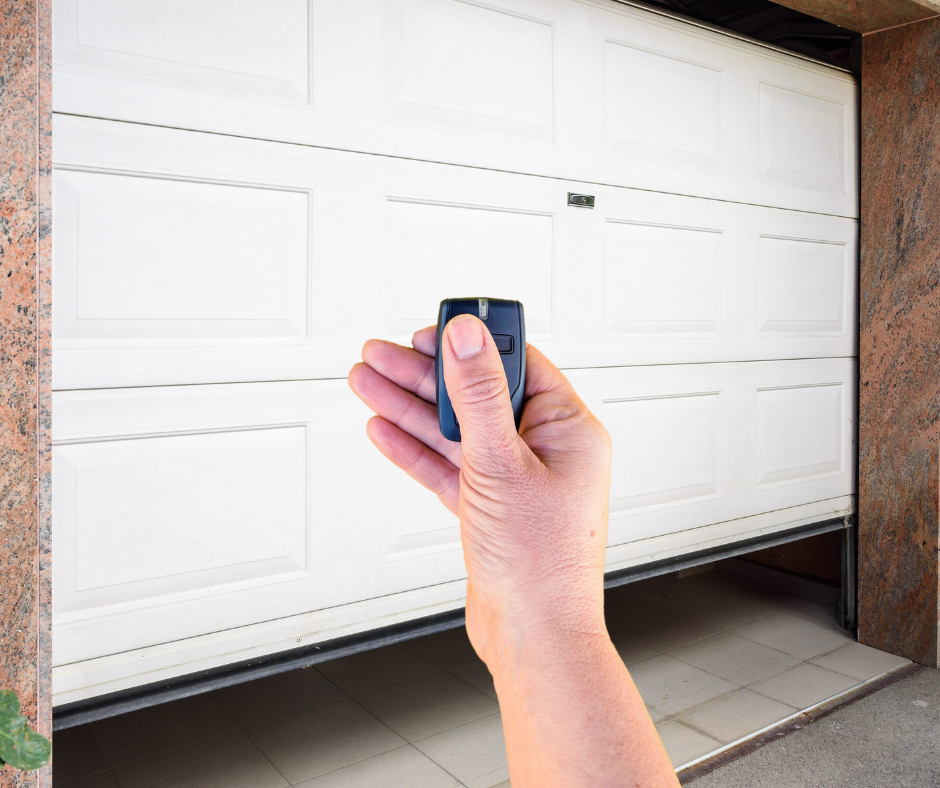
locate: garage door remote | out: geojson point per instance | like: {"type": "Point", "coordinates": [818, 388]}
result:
{"type": "Point", "coordinates": [505, 321]}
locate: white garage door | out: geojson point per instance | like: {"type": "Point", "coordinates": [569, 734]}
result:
{"type": "Point", "coordinates": [245, 192]}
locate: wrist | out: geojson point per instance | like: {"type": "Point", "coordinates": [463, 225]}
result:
{"type": "Point", "coordinates": [525, 651]}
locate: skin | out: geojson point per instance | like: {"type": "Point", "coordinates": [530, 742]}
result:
{"type": "Point", "coordinates": [533, 520]}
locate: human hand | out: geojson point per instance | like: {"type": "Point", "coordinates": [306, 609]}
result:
{"type": "Point", "coordinates": [533, 521]}
{"type": "Point", "coordinates": [532, 504]}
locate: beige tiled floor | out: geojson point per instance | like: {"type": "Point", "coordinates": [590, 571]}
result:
{"type": "Point", "coordinates": [715, 658]}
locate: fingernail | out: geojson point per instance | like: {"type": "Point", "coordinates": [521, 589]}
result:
{"type": "Point", "coordinates": [466, 336]}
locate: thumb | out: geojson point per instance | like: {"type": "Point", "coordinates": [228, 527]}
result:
{"type": "Point", "coordinates": [476, 383]}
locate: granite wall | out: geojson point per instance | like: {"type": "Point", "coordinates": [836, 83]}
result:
{"type": "Point", "coordinates": [899, 353]}
{"type": "Point", "coordinates": [866, 16]}
{"type": "Point", "coordinates": [25, 380]}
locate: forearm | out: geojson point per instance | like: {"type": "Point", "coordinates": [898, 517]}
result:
{"type": "Point", "coordinates": [572, 716]}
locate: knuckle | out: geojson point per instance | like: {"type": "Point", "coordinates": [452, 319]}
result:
{"type": "Point", "coordinates": [482, 391]}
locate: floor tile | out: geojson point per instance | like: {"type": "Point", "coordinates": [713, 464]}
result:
{"type": "Point", "coordinates": [491, 780]}
{"type": "Point", "coordinates": [227, 762]}
{"type": "Point", "coordinates": [630, 651]}
{"type": "Point", "coordinates": [376, 668]}
{"type": "Point", "coordinates": [100, 780]}
{"type": "Point", "coordinates": [656, 716]}
{"type": "Point", "coordinates": [76, 755]}
{"type": "Point", "coordinates": [737, 715]}
{"type": "Point", "coordinates": [262, 700]}
{"type": "Point", "coordinates": [148, 732]}
{"type": "Point", "coordinates": [472, 751]}
{"type": "Point", "coordinates": [664, 631]}
{"type": "Point", "coordinates": [322, 740]}
{"type": "Point", "coordinates": [683, 744]}
{"type": "Point", "coordinates": [672, 687]}
{"type": "Point", "coordinates": [401, 768]}
{"type": "Point", "coordinates": [445, 649]}
{"type": "Point", "coordinates": [477, 675]}
{"type": "Point", "coordinates": [827, 615]}
{"type": "Point", "coordinates": [804, 686]}
{"type": "Point", "coordinates": [860, 662]}
{"type": "Point", "coordinates": [503, 785]}
{"type": "Point", "coordinates": [795, 636]}
{"type": "Point", "coordinates": [722, 610]}
{"type": "Point", "coordinates": [423, 706]}
{"type": "Point", "coordinates": [735, 659]}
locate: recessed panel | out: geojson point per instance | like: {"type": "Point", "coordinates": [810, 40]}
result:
{"type": "Point", "coordinates": [661, 280]}
{"type": "Point", "coordinates": [417, 520]}
{"type": "Point", "coordinates": [799, 433]}
{"type": "Point", "coordinates": [151, 258]}
{"type": "Point", "coordinates": [155, 515]}
{"type": "Point", "coordinates": [478, 68]}
{"type": "Point", "coordinates": [665, 450]}
{"type": "Point", "coordinates": [659, 107]}
{"type": "Point", "coordinates": [449, 251]}
{"type": "Point", "coordinates": [803, 286]}
{"type": "Point", "coordinates": [254, 47]}
{"type": "Point", "coordinates": [802, 139]}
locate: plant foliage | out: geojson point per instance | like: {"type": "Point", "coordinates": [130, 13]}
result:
{"type": "Point", "coordinates": [20, 745]}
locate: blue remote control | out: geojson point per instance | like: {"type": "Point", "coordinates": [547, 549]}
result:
{"type": "Point", "coordinates": [506, 323]}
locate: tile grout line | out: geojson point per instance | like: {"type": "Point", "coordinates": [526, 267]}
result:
{"type": "Point", "coordinates": [789, 718]}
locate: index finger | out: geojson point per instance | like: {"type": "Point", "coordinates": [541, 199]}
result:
{"type": "Point", "coordinates": [425, 341]}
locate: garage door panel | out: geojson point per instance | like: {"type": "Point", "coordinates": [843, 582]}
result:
{"type": "Point", "coordinates": [440, 250]}
{"type": "Point", "coordinates": [592, 91]}
{"type": "Point", "coordinates": [805, 287]}
{"type": "Point", "coordinates": [251, 502]}
{"type": "Point", "coordinates": [704, 443]}
{"type": "Point", "coordinates": [507, 92]}
{"type": "Point", "coordinates": [263, 55]}
{"type": "Point", "coordinates": [151, 516]}
{"type": "Point", "coordinates": [142, 257]}
{"type": "Point", "coordinates": [662, 280]}
{"type": "Point", "coordinates": [191, 258]}
{"type": "Point", "coordinates": [662, 108]}
{"type": "Point", "coordinates": [180, 511]}
{"type": "Point", "coordinates": [665, 450]}
{"type": "Point", "coordinates": [802, 138]}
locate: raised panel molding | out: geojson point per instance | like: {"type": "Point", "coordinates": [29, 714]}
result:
{"type": "Point", "coordinates": [804, 286]}
{"type": "Point", "coordinates": [417, 523]}
{"type": "Point", "coordinates": [469, 66]}
{"type": "Point", "coordinates": [662, 280]}
{"type": "Point", "coordinates": [800, 433]}
{"type": "Point", "coordinates": [142, 258]}
{"type": "Point", "coordinates": [437, 251]}
{"type": "Point", "coordinates": [698, 444]}
{"type": "Point", "coordinates": [156, 515]}
{"type": "Point", "coordinates": [802, 139]}
{"type": "Point", "coordinates": [189, 43]}
{"type": "Point", "coordinates": [661, 107]}
{"type": "Point", "coordinates": [665, 450]}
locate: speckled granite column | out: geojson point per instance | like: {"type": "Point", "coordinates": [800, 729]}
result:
{"type": "Point", "coordinates": [899, 353]}
{"type": "Point", "coordinates": [25, 380]}
{"type": "Point", "coordinates": [866, 15]}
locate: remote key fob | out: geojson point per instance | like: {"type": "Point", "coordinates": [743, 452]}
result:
{"type": "Point", "coordinates": [505, 321]}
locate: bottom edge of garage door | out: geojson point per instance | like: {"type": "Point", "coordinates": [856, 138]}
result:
{"type": "Point", "coordinates": [114, 673]}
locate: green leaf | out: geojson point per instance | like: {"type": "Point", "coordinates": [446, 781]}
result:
{"type": "Point", "coordinates": [9, 704]}
{"type": "Point", "coordinates": [22, 747]}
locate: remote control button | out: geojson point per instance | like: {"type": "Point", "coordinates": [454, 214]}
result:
{"type": "Point", "coordinates": [503, 343]}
